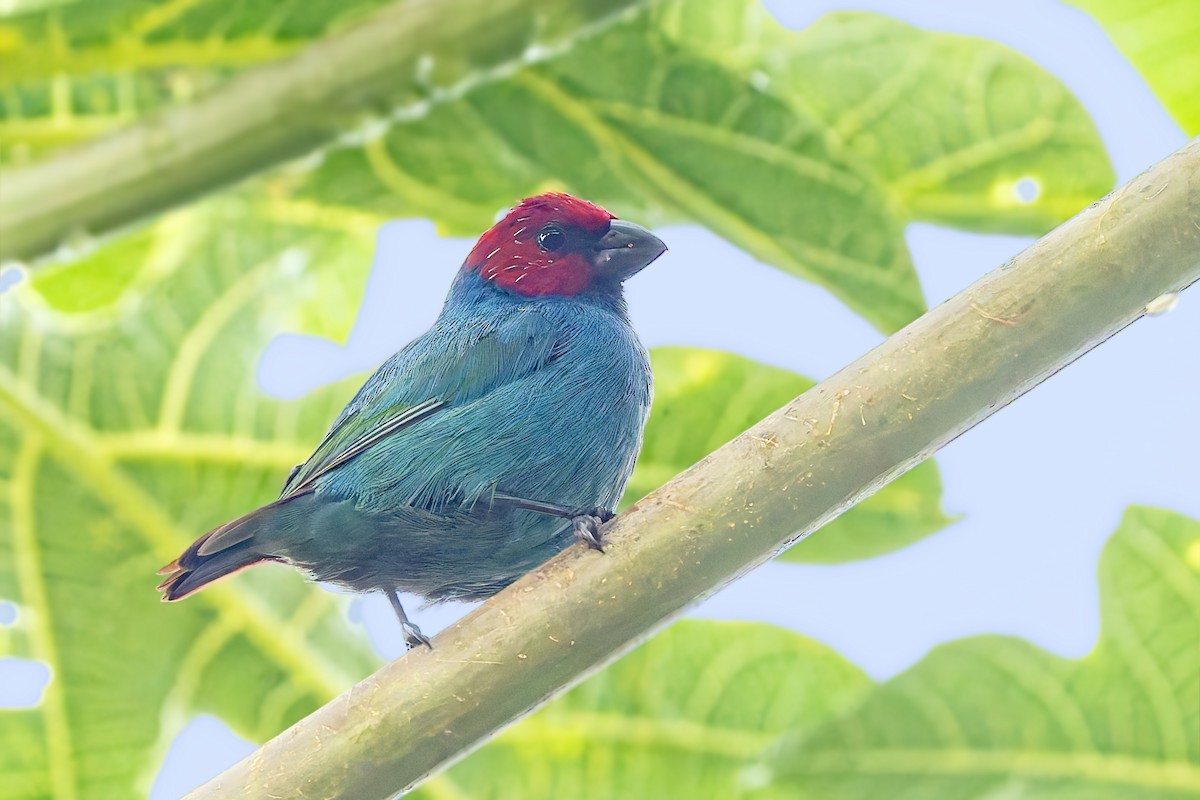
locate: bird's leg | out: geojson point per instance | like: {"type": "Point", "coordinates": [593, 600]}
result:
{"type": "Point", "coordinates": [586, 522]}
{"type": "Point", "coordinates": [412, 634]}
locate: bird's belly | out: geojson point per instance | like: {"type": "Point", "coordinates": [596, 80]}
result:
{"type": "Point", "coordinates": [467, 555]}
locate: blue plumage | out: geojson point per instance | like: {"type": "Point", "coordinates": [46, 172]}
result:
{"type": "Point", "coordinates": [546, 401]}
{"type": "Point", "coordinates": [526, 391]}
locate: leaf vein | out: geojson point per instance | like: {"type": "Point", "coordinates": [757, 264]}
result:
{"type": "Point", "coordinates": [77, 451]}
{"type": "Point", "coordinates": [59, 749]}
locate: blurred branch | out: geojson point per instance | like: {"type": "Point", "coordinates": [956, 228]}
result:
{"type": "Point", "coordinates": [797, 469]}
{"type": "Point", "coordinates": [407, 55]}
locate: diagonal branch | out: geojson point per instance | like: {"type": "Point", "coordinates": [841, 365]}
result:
{"type": "Point", "coordinates": [778, 482]}
{"type": "Point", "coordinates": [405, 57]}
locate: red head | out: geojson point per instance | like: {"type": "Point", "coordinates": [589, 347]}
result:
{"type": "Point", "coordinates": [556, 244]}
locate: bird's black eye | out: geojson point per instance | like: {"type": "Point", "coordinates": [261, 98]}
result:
{"type": "Point", "coordinates": [551, 238]}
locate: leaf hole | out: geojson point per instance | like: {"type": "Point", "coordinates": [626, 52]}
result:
{"type": "Point", "coordinates": [8, 613]}
{"type": "Point", "coordinates": [10, 276]}
{"type": "Point", "coordinates": [200, 751]}
{"type": "Point", "coordinates": [22, 682]}
{"type": "Point", "coordinates": [1027, 189]}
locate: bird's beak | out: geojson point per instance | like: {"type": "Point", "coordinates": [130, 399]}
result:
{"type": "Point", "coordinates": [625, 250]}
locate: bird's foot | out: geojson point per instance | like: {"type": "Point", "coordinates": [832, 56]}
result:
{"type": "Point", "coordinates": [412, 634]}
{"type": "Point", "coordinates": [589, 525]}
{"type": "Point", "coordinates": [586, 522]}
{"type": "Point", "coordinates": [602, 514]}
{"type": "Point", "coordinates": [414, 638]}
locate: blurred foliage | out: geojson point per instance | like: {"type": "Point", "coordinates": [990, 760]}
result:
{"type": "Point", "coordinates": [130, 420]}
{"type": "Point", "coordinates": [71, 70]}
{"type": "Point", "coordinates": [1162, 39]}
{"type": "Point", "coordinates": [993, 716]}
{"type": "Point", "coordinates": [737, 710]}
{"type": "Point", "coordinates": [128, 426]}
{"type": "Point", "coordinates": [808, 150]}
{"type": "Point", "coordinates": [846, 131]}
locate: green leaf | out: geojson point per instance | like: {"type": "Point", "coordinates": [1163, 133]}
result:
{"type": "Point", "coordinates": [809, 150]}
{"type": "Point", "coordinates": [1159, 37]}
{"type": "Point", "coordinates": [846, 131]}
{"type": "Point", "coordinates": [704, 398]}
{"type": "Point", "coordinates": [996, 717]}
{"type": "Point", "coordinates": [905, 511]}
{"type": "Point", "coordinates": [74, 70]}
{"type": "Point", "coordinates": [685, 716]}
{"type": "Point", "coordinates": [738, 710]}
{"type": "Point", "coordinates": [130, 423]}
{"type": "Point", "coordinates": [947, 126]}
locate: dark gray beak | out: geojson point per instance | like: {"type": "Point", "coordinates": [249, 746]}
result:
{"type": "Point", "coordinates": [625, 250]}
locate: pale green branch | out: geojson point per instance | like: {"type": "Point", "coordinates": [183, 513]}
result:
{"type": "Point", "coordinates": [781, 480]}
{"type": "Point", "coordinates": [408, 56]}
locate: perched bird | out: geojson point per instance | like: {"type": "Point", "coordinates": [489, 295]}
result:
{"type": "Point", "coordinates": [486, 445]}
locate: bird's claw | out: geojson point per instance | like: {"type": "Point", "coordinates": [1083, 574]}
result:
{"type": "Point", "coordinates": [414, 638]}
{"type": "Point", "coordinates": [602, 514]}
{"type": "Point", "coordinates": [412, 634]}
{"type": "Point", "coordinates": [588, 528]}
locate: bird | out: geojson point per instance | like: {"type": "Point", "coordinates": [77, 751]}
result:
{"type": "Point", "coordinates": [492, 441]}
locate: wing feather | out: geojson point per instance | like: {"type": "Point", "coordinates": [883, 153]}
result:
{"type": "Point", "coordinates": [439, 370]}
{"type": "Point", "coordinates": [408, 416]}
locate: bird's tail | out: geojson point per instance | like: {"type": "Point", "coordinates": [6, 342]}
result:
{"type": "Point", "coordinates": [220, 552]}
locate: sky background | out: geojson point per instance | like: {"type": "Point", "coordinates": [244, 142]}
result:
{"type": "Point", "coordinates": [1040, 486]}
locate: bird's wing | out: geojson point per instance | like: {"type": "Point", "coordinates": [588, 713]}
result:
{"type": "Point", "coordinates": [439, 370]}
{"type": "Point", "coordinates": [331, 453]}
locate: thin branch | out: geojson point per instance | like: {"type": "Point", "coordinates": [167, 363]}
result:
{"type": "Point", "coordinates": [405, 57]}
{"type": "Point", "coordinates": [778, 482]}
